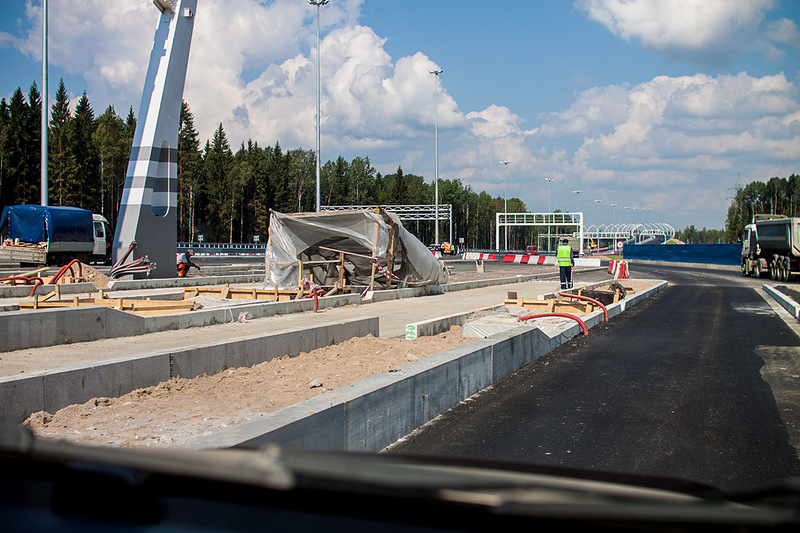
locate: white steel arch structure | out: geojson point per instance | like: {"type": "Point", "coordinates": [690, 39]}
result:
{"type": "Point", "coordinates": [637, 233]}
{"type": "Point", "coordinates": [541, 219]}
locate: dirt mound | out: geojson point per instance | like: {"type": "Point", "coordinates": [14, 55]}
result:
{"type": "Point", "coordinates": [181, 410]}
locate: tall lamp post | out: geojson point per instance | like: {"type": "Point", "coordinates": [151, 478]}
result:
{"type": "Point", "coordinates": [598, 214]}
{"type": "Point", "coordinates": [505, 196]}
{"type": "Point", "coordinates": [549, 182]}
{"type": "Point", "coordinates": [436, 148]}
{"type": "Point", "coordinates": [318, 3]}
{"type": "Point", "coordinates": [577, 197]}
{"type": "Point", "coordinates": [44, 158]}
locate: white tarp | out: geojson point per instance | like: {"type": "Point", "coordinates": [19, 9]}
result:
{"type": "Point", "coordinates": [362, 234]}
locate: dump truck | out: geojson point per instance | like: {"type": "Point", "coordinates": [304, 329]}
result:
{"type": "Point", "coordinates": [771, 246]}
{"type": "Point", "coordinates": [53, 235]}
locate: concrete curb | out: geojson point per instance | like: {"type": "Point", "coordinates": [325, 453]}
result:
{"type": "Point", "coordinates": [162, 283]}
{"type": "Point", "coordinates": [20, 330]}
{"type": "Point", "coordinates": [373, 413]}
{"type": "Point", "coordinates": [55, 389]}
{"type": "Point", "coordinates": [784, 301]}
{"type": "Point", "coordinates": [24, 291]}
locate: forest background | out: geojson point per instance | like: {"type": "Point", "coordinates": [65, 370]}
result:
{"type": "Point", "coordinates": [227, 196]}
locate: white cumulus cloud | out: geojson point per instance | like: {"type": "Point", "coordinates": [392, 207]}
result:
{"type": "Point", "coordinates": [695, 31]}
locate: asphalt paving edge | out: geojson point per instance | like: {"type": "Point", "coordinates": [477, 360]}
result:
{"type": "Point", "coordinates": [373, 413]}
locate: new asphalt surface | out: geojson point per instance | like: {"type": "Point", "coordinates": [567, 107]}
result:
{"type": "Point", "coordinates": [697, 383]}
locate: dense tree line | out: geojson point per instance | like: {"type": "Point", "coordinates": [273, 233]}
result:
{"type": "Point", "coordinates": [692, 235]}
{"type": "Point", "coordinates": [225, 196]}
{"type": "Point", "coordinates": [777, 196]}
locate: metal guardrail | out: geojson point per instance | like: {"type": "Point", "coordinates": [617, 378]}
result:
{"type": "Point", "coordinates": [222, 248]}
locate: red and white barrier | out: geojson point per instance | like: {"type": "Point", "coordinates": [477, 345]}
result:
{"type": "Point", "coordinates": [618, 268]}
{"type": "Point", "coordinates": [478, 255]}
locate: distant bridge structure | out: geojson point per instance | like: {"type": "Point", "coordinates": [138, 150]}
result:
{"type": "Point", "coordinates": [611, 236]}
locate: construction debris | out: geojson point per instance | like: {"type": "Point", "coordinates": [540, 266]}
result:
{"type": "Point", "coordinates": [360, 247]}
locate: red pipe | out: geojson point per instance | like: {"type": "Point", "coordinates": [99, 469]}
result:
{"type": "Point", "coordinates": [316, 293]}
{"type": "Point", "coordinates": [27, 281]}
{"type": "Point", "coordinates": [586, 298]}
{"type": "Point", "coordinates": [563, 315]}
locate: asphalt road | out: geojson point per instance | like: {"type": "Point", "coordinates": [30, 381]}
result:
{"type": "Point", "coordinates": [698, 383]}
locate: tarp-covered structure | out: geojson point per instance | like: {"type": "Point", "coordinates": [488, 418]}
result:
{"type": "Point", "coordinates": [38, 223]}
{"type": "Point", "coordinates": [377, 249]}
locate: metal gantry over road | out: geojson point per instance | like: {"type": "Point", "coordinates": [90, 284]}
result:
{"type": "Point", "coordinates": [572, 224]}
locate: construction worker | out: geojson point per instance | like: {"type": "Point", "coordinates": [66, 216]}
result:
{"type": "Point", "coordinates": [185, 263]}
{"type": "Point", "coordinates": [565, 263]}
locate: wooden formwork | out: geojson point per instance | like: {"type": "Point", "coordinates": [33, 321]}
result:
{"type": "Point", "coordinates": [273, 294]}
{"type": "Point", "coordinates": [139, 307]}
{"type": "Point", "coordinates": [552, 305]}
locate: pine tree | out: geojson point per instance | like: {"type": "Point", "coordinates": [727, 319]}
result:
{"type": "Point", "coordinates": [87, 161]}
{"type": "Point", "coordinates": [218, 169]}
{"type": "Point", "coordinates": [5, 119]}
{"type": "Point", "coordinates": [189, 174]}
{"type": "Point", "coordinates": [61, 160]}
{"type": "Point", "coordinates": [113, 149]}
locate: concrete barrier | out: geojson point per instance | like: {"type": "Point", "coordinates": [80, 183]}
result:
{"type": "Point", "coordinates": [434, 326]}
{"type": "Point", "coordinates": [55, 389]}
{"type": "Point", "coordinates": [784, 301]}
{"type": "Point", "coordinates": [50, 327]}
{"type": "Point", "coordinates": [375, 412]}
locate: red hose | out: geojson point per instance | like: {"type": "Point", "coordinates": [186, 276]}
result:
{"type": "Point", "coordinates": [592, 300]}
{"type": "Point", "coordinates": [27, 281]}
{"type": "Point", "coordinates": [563, 315]}
{"type": "Point", "coordinates": [316, 293]}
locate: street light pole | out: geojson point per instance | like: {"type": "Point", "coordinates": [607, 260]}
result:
{"type": "Point", "coordinates": [436, 144]}
{"type": "Point", "coordinates": [318, 3]}
{"type": "Point", "coordinates": [577, 197]}
{"type": "Point", "coordinates": [549, 182]}
{"type": "Point", "coordinates": [505, 196]}
{"type": "Point", "coordinates": [43, 151]}
{"type": "Point", "coordinates": [598, 214]}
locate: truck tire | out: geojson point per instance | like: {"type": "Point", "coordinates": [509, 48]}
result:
{"type": "Point", "coordinates": [785, 269]}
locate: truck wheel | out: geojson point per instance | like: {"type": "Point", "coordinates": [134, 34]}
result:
{"type": "Point", "coordinates": [757, 268]}
{"type": "Point", "coordinates": [785, 269]}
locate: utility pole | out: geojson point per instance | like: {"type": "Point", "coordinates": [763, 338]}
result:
{"type": "Point", "coordinates": [318, 3]}
{"type": "Point", "coordinates": [44, 157]}
{"type": "Point", "coordinates": [436, 150]}
{"type": "Point", "coordinates": [505, 198]}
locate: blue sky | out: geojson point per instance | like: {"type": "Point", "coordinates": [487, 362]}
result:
{"type": "Point", "coordinates": [662, 108]}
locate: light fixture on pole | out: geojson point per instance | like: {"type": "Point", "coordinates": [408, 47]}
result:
{"type": "Point", "coordinates": [613, 213]}
{"type": "Point", "coordinates": [577, 205]}
{"type": "Point", "coordinates": [505, 197]}
{"type": "Point", "coordinates": [549, 182]}
{"type": "Point", "coordinates": [436, 145]}
{"type": "Point", "coordinates": [318, 3]}
{"type": "Point", "coordinates": [598, 214]}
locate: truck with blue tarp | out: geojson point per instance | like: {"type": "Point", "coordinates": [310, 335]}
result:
{"type": "Point", "coordinates": [771, 246]}
{"type": "Point", "coordinates": [53, 235]}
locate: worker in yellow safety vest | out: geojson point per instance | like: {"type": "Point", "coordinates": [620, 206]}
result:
{"type": "Point", "coordinates": [565, 262]}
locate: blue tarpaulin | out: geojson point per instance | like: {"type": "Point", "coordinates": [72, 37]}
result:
{"type": "Point", "coordinates": [37, 223]}
{"type": "Point", "coordinates": [713, 254]}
